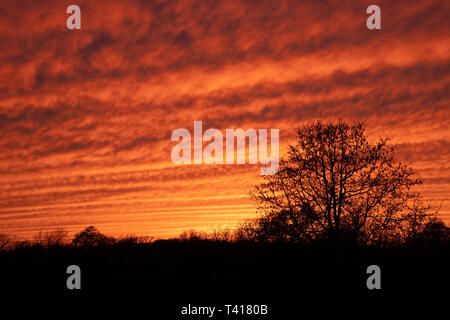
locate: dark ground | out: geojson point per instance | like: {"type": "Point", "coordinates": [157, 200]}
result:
{"type": "Point", "coordinates": [162, 277]}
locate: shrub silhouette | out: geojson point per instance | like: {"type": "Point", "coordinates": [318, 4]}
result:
{"type": "Point", "coordinates": [193, 235]}
{"type": "Point", "coordinates": [132, 240]}
{"type": "Point", "coordinates": [336, 185]}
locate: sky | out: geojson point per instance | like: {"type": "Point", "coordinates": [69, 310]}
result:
{"type": "Point", "coordinates": [86, 115]}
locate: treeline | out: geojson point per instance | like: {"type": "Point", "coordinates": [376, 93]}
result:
{"type": "Point", "coordinates": [92, 237]}
{"type": "Point", "coordinates": [435, 233]}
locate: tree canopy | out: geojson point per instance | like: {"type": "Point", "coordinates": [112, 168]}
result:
{"type": "Point", "coordinates": [90, 237]}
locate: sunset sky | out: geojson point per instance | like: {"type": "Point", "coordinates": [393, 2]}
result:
{"type": "Point", "coordinates": [86, 115]}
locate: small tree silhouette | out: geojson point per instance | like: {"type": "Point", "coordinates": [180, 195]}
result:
{"type": "Point", "coordinates": [338, 186]}
{"type": "Point", "coordinates": [90, 237]}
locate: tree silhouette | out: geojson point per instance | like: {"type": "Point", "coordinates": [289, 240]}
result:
{"type": "Point", "coordinates": [90, 237]}
{"type": "Point", "coordinates": [337, 185]}
{"type": "Point", "coordinates": [433, 234]}
{"type": "Point", "coordinates": [51, 238]}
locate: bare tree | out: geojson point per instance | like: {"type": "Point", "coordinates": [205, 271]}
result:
{"type": "Point", "coordinates": [51, 238]}
{"type": "Point", "coordinates": [250, 230]}
{"type": "Point", "coordinates": [337, 185]}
